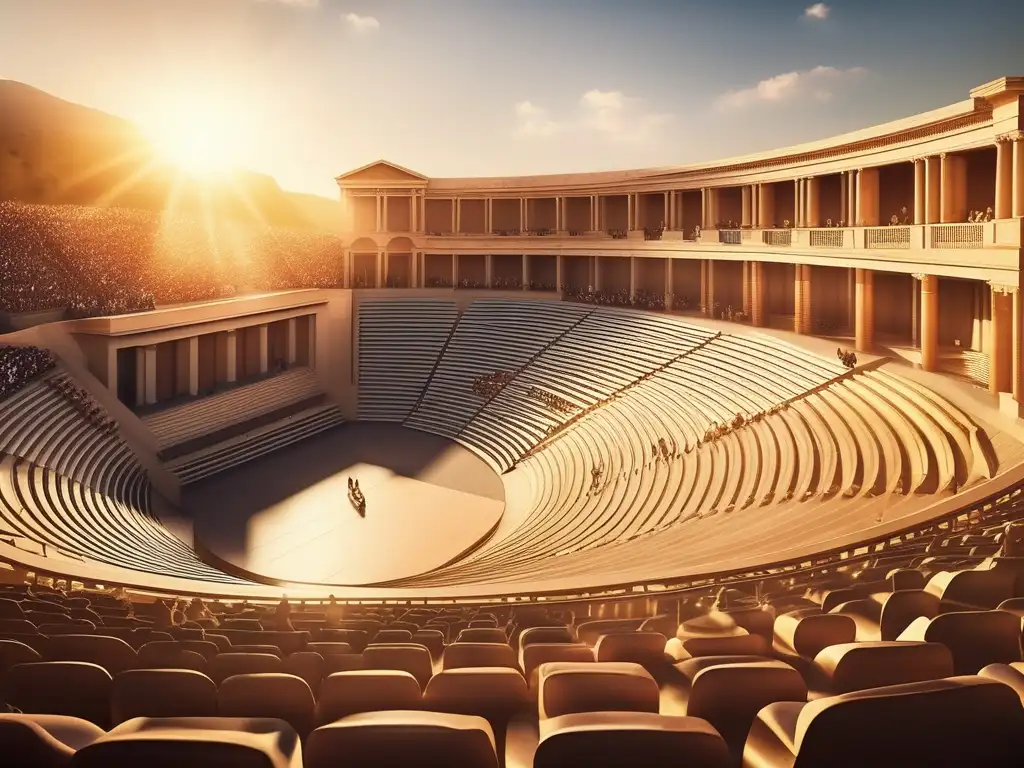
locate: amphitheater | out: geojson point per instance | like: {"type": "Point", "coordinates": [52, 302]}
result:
{"type": "Point", "coordinates": [620, 500]}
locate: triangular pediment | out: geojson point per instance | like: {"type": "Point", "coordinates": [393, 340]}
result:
{"type": "Point", "coordinates": [382, 171]}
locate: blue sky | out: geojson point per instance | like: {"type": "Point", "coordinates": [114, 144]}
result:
{"type": "Point", "coordinates": [306, 89]}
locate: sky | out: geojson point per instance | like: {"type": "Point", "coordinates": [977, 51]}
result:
{"type": "Point", "coordinates": [306, 89]}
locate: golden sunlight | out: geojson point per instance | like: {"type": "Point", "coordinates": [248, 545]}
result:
{"type": "Point", "coordinates": [196, 137]}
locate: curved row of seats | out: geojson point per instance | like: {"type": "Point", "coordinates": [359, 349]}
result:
{"type": "Point", "coordinates": [794, 676]}
{"type": "Point", "coordinates": [80, 491]}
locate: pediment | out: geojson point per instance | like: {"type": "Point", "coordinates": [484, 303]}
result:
{"type": "Point", "coordinates": [383, 172]}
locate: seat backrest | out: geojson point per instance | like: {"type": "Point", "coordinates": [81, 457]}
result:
{"type": "Point", "coordinates": [403, 738]}
{"type": "Point", "coordinates": [111, 653]}
{"type": "Point", "coordinates": [390, 635]}
{"type": "Point", "coordinates": [645, 648]}
{"type": "Point", "coordinates": [163, 654]}
{"type": "Point", "coordinates": [976, 638]}
{"type": "Point", "coordinates": [326, 649]}
{"type": "Point", "coordinates": [308, 665]}
{"type": "Point", "coordinates": [902, 607]}
{"type": "Point", "coordinates": [268, 695]}
{"type": "Point", "coordinates": [74, 688]}
{"type": "Point", "coordinates": [494, 693]}
{"type": "Point", "coordinates": [806, 631]}
{"type": "Point", "coordinates": [12, 652]}
{"type": "Point", "coordinates": [215, 742]}
{"type": "Point", "coordinates": [568, 687]}
{"type": "Point", "coordinates": [162, 693]}
{"type": "Point", "coordinates": [954, 721]}
{"type": "Point", "coordinates": [18, 625]}
{"type": "Point", "coordinates": [533, 655]}
{"type": "Point", "coordinates": [546, 635]}
{"type": "Point", "coordinates": [414, 659]}
{"type": "Point", "coordinates": [482, 635]}
{"type": "Point", "coordinates": [43, 741]}
{"type": "Point", "coordinates": [857, 666]}
{"type": "Point", "coordinates": [227, 664]}
{"type": "Point", "coordinates": [629, 738]}
{"type": "Point", "coordinates": [589, 631]}
{"type": "Point", "coordinates": [11, 609]}
{"type": "Point", "coordinates": [371, 690]}
{"type": "Point", "coordinates": [479, 655]}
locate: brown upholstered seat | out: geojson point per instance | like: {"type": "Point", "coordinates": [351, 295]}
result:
{"type": "Point", "coordinates": [902, 607]}
{"type": "Point", "coordinates": [326, 649]}
{"type": "Point", "coordinates": [111, 653]}
{"type": "Point", "coordinates": [215, 742]}
{"type": "Point", "coordinates": [308, 665]}
{"type": "Point", "coordinates": [73, 688]}
{"type": "Point", "coordinates": [479, 655]}
{"type": "Point", "coordinates": [1007, 674]}
{"type": "Point", "coordinates": [645, 648]}
{"type": "Point", "coordinates": [533, 655]}
{"type": "Point", "coordinates": [857, 666]}
{"type": "Point", "coordinates": [546, 635]}
{"type": "Point", "coordinates": [482, 635]}
{"type": "Point", "coordinates": [976, 638]}
{"type": "Point", "coordinates": [12, 652]}
{"type": "Point", "coordinates": [569, 687]}
{"type": "Point", "coordinates": [714, 634]}
{"type": "Point", "coordinates": [589, 631]}
{"type": "Point", "coordinates": [227, 664]}
{"type": "Point", "coordinates": [805, 631]}
{"type": "Point", "coordinates": [431, 639]}
{"type": "Point", "coordinates": [414, 659]}
{"type": "Point", "coordinates": [626, 739]}
{"type": "Point", "coordinates": [268, 695]}
{"type": "Point", "coordinates": [403, 739]}
{"type": "Point", "coordinates": [43, 741]}
{"type": "Point", "coordinates": [162, 693]}
{"type": "Point", "coordinates": [959, 721]}
{"type": "Point", "coordinates": [348, 693]}
{"type": "Point", "coordinates": [393, 636]}
{"type": "Point", "coordinates": [162, 654]}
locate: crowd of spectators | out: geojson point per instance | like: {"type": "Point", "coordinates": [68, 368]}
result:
{"type": "Point", "coordinates": [83, 402]}
{"type": "Point", "coordinates": [551, 401]}
{"type": "Point", "coordinates": [20, 365]}
{"type": "Point", "coordinates": [641, 298]}
{"type": "Point", "coordinates": [488, 385]}
{"type": "Point", "coordinates": [847, 358]}
{"type": "Point", "coordinates": [104, 261]}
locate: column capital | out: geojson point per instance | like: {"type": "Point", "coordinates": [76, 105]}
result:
{"type": "Point", "coordinates": [1002, 288]}
{"type": "Point", "coordinates": [919, 276]}
{"type": "Point", "coordinates": [1011, 136]}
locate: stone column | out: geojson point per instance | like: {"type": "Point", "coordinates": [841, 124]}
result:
{"type": "Point", "coordinates": [186, 359]}
{"type": "Point", "coordinates": [380, 218]}
{"type": "Point", "coordinates": [414, 263]}
{"type": "Point", "coordinates": [524, 214]}
{"type": "Point", "coordinates": [457, 215]}
{"type": "Point", "coordinates": [227, 357]}
{"type": "Point", "coordinates": [766, 206]}
{"type": "Point", "coordinates": [814, 202]}
{"type": "Point", "coordinates": [264, 342]}
{"type": "Point", "coordinates": [384, 216]}
{"type": "Point", "coordinates": [1000, 356]}
{"type": "Point", "coordinates": [668, 284]}
{"type": "Point", "coordinates": [382, 270]}
{"type": "Point", "coordinates": [291, 348]}
{"type": "Point", "coordinates": [594, 225]}
{"type": "Point", "coordinates": [488, 270]}
{"type": "Point", "coordinates": [632, 277]}
{"type": "Point", "coordinates": [920, 191]}
{"type": "Point", "coordinates": [850, 214]}
{"type": "Point", "coordinates": [755, 206]}
{"type": "Point", "coordinates": [708, 280]}
{"type": "Point", "coordinates": [864, 310]}
{"type": "Point", "coordinates": [947, 204]}
{"type": "Point", "coordinates": [630, 212]}
{"type": "Point", "coordinates": [757, 317]}
{"type": "Point", "coordinates": [413, 212]}
{"type": "Point", "coordinates": [149, 356]}
{"type": "Point", "coordinates": [558, 273]}
{"type": "Point", "coordinates": [932, 190]}
{"type": "Point", "coordinates": [455, 269]}
{"type": "Point", "coordinates": [745, 206]}
{"type": "Point", "coordinates": [525, 278]}
{"type": "Point", "coordinates": [929, 322]}
{"type": "Point", "coordinates": [843, 195]}
{"type": "Point", "coordinates": [1017, 139]}
{"type": "Point", "coordinates": [867, 197]}
{"type": "Point", "coordinates": [666, 211]}
{"type": "Point", "coordinates": [489, 215]}
{"type": "Point", "coordinates": [1018, 346]}
{"type": "Point", "coordinates": [915, 314]}
{"type": "Point", "coordinates": [705, 208]}
{"type": "Point", "coordinates": [802, 299]}
{"type": "Point", "coordinates": [747, 298]}
{"type": "Point", "coordinates": [798, 202]}
{"type": "Point", "coordinates": [1004, 179]}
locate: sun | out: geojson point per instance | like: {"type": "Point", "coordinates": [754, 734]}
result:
{"type": "Point", "coordinates": [197, 138]}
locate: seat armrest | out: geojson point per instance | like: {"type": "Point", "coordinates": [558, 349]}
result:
{"type": "Point", "coordinates": [521, 740]}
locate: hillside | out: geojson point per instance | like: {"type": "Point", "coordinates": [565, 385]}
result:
{"type": "Point", "coordinates": [55, 152]}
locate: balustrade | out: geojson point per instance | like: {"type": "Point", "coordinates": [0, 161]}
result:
{"type": "Point", "coordinates": [729, 236]}
{"type": "Point", "coordinates": [957, 235]}
{"type": "Point", "coordinates": [828, 238]}
{"type": "Point", "coordinates": [886, 238]}
{"type": "Point", "coordinates": [777, 238]}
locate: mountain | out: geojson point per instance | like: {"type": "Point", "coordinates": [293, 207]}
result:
{"type": "Point", "coordinates": [56, 152]}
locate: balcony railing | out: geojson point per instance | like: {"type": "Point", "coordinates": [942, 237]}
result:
{"type": "Point", "coordinates": [957, 235]}
{"type": "Point", "coordinates": [828, 238]}
{"type": "Point", "coordinates": [886, 238]}
{"type": "Point", "coordinates": [777, 238]}
{"type": "Point", "coordinates": [730, 236]}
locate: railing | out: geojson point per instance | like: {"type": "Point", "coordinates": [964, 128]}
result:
{"type": "Point", "coordinates": [887, 237]}
{"type": "Point", "coordinates": [777, 237]}
{"type": "Point", "coordinates": [957, 235]}
{"type": "Point", "coordinates": [729, 236]}
{"type": "Point", "coordinates": [828, 238]}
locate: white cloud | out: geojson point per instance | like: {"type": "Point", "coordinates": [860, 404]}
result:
{"type": "Point", "coordinates": [818, 83]}
{"type": "Point", "coordinates": [362, 24]}
{"type": "Point", "coordinates": [818, 11]}
{"type": "Point", "coordinates": [610, 115]}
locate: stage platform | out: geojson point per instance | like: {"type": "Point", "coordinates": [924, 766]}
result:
{"type": "Point", "coordinates": [287, 517]}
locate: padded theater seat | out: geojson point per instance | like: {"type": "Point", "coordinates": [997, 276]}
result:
{"type": "Point", "coordinates": [459, 655]}
{"type": "Point", "coordinates": [111, 653]}
{"type": "Point", "coordinates": [803, 633]}
{"type": "Point", "coordinates": [43, 741]}
{"type": "Point", "coordinates": [627, 739]}
{"type": "Point", "coordinates": [371, 690]}
{"type": "Point", "coordinates": [851, 667]}
{"type": "Point", "coordinates": [976, 638]}
{"type": "Point", "coordinates": [414, 659]}
{"type": "Point", "coordinates": [12, 652]}
{"type": "Point", "coordinates": [482, 635]}
{"type": "Point", "coordinates": [227, 664]}
{"type": "Point", "coordinates": [73, 688]}
{"type": "Point", "coordinates": [210, 742]}
{"type": "Point", "coordinates": [403, 739]}
{"type": "Point", "coordinates": [268, 696]}
{"type": "Point", "coordinates": [644, 648]}
{"type": "Point", "coordinates": [546, 635]}
{"type": "Point", "coordinates": [1007, 674]}
{"type": "Point", "coordinates": [533, 655]}
{"type": "Point", "coordinates": [959, 721]}
{"type": "Point", "coordinates": [568, 687]}
{"type": "Point", "coordinates": [162, 693]}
